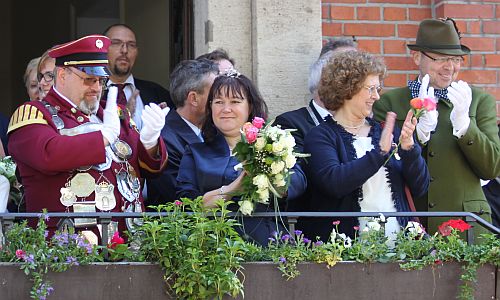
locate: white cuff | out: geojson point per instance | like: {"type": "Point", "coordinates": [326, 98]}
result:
{"type": "Point", "coordinates": [463, 130]}
{"type": "Point", "coordinates": [423, 137]}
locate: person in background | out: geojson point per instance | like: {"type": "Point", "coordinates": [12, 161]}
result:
{"type": "Point", "coordinates": [45, 74]}
{"type": "Point", "coordinates": [221, 57]}
{"type": "Point", "coordinates": [133, 92]}
{"type": "Point", "coordinates": [492, 193]}
{"type": "Point", "coordinates": [30, 79]}
{"type": "Point", "coordinates": [351, 167]}
{"type": "Point", "coordinates": [74, 154]}
{"type": "Point", "coordinates": [209, 169]}
{"type": "Point", "coordinates": [190, 83]}
{"type": "Point", "coordinates": [460, 138]}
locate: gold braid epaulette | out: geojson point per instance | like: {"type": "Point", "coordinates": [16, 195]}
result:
{"type": "Point", "coordinates": [25, 115]}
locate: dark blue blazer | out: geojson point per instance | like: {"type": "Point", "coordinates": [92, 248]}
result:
{"type": "Point", "coordinates": [176, 134]}
{"type": "Point", "coordinates": [301, 120]}
{"type": "Point", "coordinates": [336, 175]}
{"type": "Point", "coordinates": [208, 166]}
{"type": "Point", "coordinates": [153, 92]}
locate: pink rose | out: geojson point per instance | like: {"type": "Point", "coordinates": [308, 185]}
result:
{"type": "Point", "coordinates": [251, 134]}
{"type": "Point", "coordinates": [258, 122]}
{"type": "Point", "coordinates": [429, 104]}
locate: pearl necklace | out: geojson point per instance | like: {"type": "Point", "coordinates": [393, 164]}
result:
{"type": "Point", "coordinates": [357, 127]}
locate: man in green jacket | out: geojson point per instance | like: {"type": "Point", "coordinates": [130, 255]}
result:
{"type": "Point", "coordinates": [460, 139]}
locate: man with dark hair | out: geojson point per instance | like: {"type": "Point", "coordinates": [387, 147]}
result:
{"type": "Point", "coordinates": [460, 138]}
{"type": "Point", "coordinates": [221, 57]}
{"type": "Point", "coordinates": [190, 83]}
{"type": "Point", "coordinates": [133, 92]}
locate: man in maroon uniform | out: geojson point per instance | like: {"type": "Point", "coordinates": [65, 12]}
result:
{"type": "Point", "coordinates": [75, 155]}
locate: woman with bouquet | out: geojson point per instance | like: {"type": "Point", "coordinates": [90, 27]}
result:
{"type": "Point", "coordinates": [353, 164]}
{"type": "Point", "coordinates": [211, 170]}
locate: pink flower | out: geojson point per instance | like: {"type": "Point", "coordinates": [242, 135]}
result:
{"type": "Point", "coordinates": [336, 222]}
{"type": "Point", "coordinates": [251, 134]}
{"type": "Point", "coordinates": [356, 228]}
{"type": "Point", "coordinates": [258, 122]}
{"type": "Point", "coordinates": [429, 104]}
{"type": "Point", "coordinates": [116, 240]}
{"type": "Point", "coordinates": [20, 254]}
{"type": "Point", "coordinates": [178, 203]}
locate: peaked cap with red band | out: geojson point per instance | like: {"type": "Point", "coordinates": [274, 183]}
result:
{"type": "Point", "coordinates": [89, 54]}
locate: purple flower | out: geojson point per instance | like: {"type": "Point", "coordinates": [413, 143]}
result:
{"type": "Point", "coordinates": [44, 216]}
{"type": "Point", "coordinates": [306, 241]}
{"type": "Point", "coordinates": [271, 240]}
{"type": "Point", "coordinates": [45, 233]}
{"type": "Point", "coordinates": [70, 260]}
{"type": "Point", "coordinates": [285, 238]}
{"type": "Point", "coordinates": [318, 243]}
{"type": "Point", "coordinates": [298, 232]}
{"type": "Point", "coordinates": [61, 239]}
{"type": "Point", "coordinates": [274, 234]}
{"type": "Point", "coordinates": [282, 260]}
{"type": "Point", "coordinates": [29, 258]}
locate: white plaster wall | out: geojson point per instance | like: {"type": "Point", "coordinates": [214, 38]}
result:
{"type": "Point", "coordinates": [273, 42]}
{"type": "Point", "coordinates": [286, 40]}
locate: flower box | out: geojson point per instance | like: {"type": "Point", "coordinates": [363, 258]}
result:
{"type": "Point", "coordinates": [346, 280]}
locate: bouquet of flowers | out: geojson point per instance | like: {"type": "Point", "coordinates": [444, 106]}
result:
{"type": "Point", "coordinates": [8, 170]}
{"type": "Point", "coordinates": [266, 154]}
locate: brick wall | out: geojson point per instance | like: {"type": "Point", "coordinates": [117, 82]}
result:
{"type": "Point", "coordinates": [385, 27]}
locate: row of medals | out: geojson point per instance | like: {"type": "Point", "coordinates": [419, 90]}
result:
{"type": "Point", "coordinates": [82, 185]}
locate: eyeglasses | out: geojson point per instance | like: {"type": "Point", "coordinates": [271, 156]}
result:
{"type": "Point", "coordinates": [119, 44]}
{"type": "Point", "coordinates": [47, 76]}
{"type": "Point", "coordinates": [90, 81]}
{"type": "Point", "coordinates": [372, 89]}
{"type": "Point", "coordinates": [456, 60]}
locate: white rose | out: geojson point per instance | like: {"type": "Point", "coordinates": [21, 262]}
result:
{"type": "Point", "coordinates": [272, 132]}
{"type": "Point", "coordinates": [246, 207]}
{"type": "Point", "coordinates": [278, 147]}
{"type": "Point", "coordinates": [260, 181]}
{"type": "Point", "coordinates": [289, 141]}
{"type": "Point", "coordinates": [277, 166]}
{"type": "Point", "coordinates": [260, 143]}
{"type": "Point", "coordinates": [290, 160]}
{"type": "Point", "coordinates": [279, 180]}
{"type": "Point", "coordinates": [263, 196]}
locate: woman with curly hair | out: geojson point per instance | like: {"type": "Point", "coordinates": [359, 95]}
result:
{"type": "Point", "coordinates": [350, 168]}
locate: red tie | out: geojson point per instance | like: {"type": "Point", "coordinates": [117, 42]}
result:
{"type": "Point", "coordinates": [122, 99]}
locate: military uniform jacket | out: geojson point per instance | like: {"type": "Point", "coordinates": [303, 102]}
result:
{"type": "Point", "coordinates": [46, 159]}
{"type": "Point", "coordinates": [455, 165]}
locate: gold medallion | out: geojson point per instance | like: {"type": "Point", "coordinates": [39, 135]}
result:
{"type": "Point", "coordinates": [82, 184]}
{"type": "Point", "coordinates": [104, 197]}
{"type": "Point", "coordinates": [121, 149]}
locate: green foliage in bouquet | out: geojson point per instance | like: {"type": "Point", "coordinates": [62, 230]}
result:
{"type": "Point", "coordinates": [200, 252]}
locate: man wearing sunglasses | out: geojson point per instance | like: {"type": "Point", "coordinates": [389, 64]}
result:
{"type": "Point", "coordinates": [460, 140]}
{"type": "Point", "coordinates": [74, 154]}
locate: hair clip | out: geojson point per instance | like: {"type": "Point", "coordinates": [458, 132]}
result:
{"type": "Point", "coordinates": [231, 72]}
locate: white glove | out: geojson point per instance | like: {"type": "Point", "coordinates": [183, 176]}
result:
{"type": "Point", "coordinates": [153, 120]}
{"type": "Point", "coordinates": [111, 120]}
{"type": "Point", "coordinates": [428, 121]}
{"type": "Point", "coordinates": [4, 193]}
{"type": "Point", "coordinates": [460, 96]}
